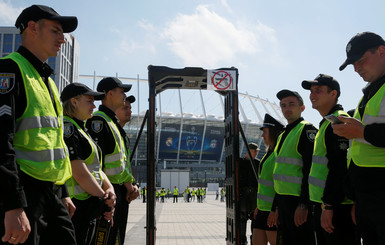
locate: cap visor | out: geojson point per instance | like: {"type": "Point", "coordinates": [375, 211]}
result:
{"type": "Point", "coordinates": [126, 87]}
{"type": "Point", "coordinates": [344, 65]}
{"type": "Point", "coordinates": [307, 84]}
{"type": "Point", "coordinates": [97, 95]}
{"type": "Point", "coordinates": [69, 23]}
{"type": "Point", "coordinates": [131, 99]}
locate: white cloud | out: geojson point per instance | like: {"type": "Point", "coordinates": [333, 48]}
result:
{"type": "Point", "coordinates": [206, 39]}
{"type": "Point", "coordinates": [8, 13]}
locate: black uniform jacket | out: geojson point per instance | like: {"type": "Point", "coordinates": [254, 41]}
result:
{"type": "Point", "coordinates": [305, 148]}
{"type": "Point", "coordinates": [13, 103]}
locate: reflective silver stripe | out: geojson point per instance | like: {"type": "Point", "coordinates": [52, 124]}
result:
{"type": "Point", "coordinates": [320, 160]}
{"type": "Point", "coordinates": [113, 171]}
{"type": "Point", "coordinates": [112, 158]}
{"type": "Point", "coordinates": [42, 156]}
{"type": "Point", "coordinates": [266, 182]}
{"type": "Point", "coordinates": [369, 119]}
{"type": "Point", "coordinates": [265, 198]}
{"type": "Point", "coordinates": [37, 122]}
{"type": "Point", "coordinates": [78, 189]}
{"type": "Point", "coordinates": [317, 182]}
{"type": "Point", "coordinates": [287, 178]}
{"type": "Point", "coordinates": [289, 160]}
{"type": "Point", "coordinates": [361, 140]}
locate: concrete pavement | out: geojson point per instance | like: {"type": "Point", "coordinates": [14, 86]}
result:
{"type": "Point", "coordinates": [180, 223]}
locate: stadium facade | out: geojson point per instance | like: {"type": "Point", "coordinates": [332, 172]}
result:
{"type": "Point", "coordinates": [195, 142]}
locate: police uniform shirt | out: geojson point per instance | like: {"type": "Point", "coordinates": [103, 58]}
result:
{"type": "Point", "coordinates": [101, 133]}
{"type": "Point", "coordinates": [78, 146]}
{"type": "Point", "coordinates": [305, 148]}
{"type": "Point", "coordinates": [336, 147]}
{"type": "Point", "coordinates": [13, 103]}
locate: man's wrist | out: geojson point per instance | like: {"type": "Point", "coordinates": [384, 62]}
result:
{"type": "Point", "coordinates": [325, 206]}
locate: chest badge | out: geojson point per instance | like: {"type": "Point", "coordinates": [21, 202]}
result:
{"type": "Point", "coordinates": [97, 126]}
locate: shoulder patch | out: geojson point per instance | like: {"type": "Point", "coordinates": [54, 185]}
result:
{"type": "Point", "coordinates": [311, 134]}
{"type": "Point", "coordinates": [97, 126]}
{"type": "Point", "coordinates": [7, 82]}
{"type": "Point", "coordinates": [68, 129]}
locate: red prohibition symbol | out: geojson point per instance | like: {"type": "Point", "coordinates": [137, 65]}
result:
{"type": "Point", "coordinates": [221, 80]}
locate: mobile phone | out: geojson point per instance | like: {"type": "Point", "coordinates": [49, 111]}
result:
{"type": "Point", "coordinates": [333, 119]}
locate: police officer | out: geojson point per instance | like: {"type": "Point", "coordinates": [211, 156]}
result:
{"type": "Point", "coordinates": [248, 186]}
{"type": "Point", "coordinates": [107, 133]}
{"type": "Point", "coordinates": [34, 161]}
{"type": "Point", "coordinates": [175, 193]}
{"type": "Point", "coordinates": [366, 174]}
{"type": "Point", "coordinates": [293, 153]}
{"type": "Point", "coordinates": [123, 114]}
{"type": "Point", "coordinates": [89, 187]}
{"type": "Point", "coordinates": [329, 167]}
{"type": "Point", "coordinates": [265, 217]}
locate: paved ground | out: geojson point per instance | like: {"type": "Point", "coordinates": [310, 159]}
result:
{"type": "Point", "coordinates": [180, 223]}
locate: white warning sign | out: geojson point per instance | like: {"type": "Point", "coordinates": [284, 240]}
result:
{"type": "Point", "coordinates": [221, 80]}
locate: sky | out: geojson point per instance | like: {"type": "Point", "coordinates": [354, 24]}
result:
{"type": "Point", "coordinates": [274, 44]}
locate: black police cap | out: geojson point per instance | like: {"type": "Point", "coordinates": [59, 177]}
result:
{"type": "Point", "coordinates": [286, 93]}
{"type": "Point", "coordinates": [359, 44]}
{"type": "Point", "coordinates": [37, 12]}
{"type": "Point", "coordinates": [75, 89]}
{"type": "Point", "coordinates": [109, 83]}
{"type": "Point", "coordinates": [271, 122]}
{"type": "Point", "coordinates": [323, 79]}
{"type": "Point", "coordinates": [131, 99]}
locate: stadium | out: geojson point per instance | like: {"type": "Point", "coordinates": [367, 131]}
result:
{"type": "Point", "coordinates": [190, 132]}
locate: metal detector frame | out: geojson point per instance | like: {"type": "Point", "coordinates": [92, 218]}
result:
{"type": "Point", "coordinates": [161, 78]}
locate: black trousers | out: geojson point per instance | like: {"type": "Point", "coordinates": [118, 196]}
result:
{"type": "Point", "coordinates": [49, 219]}
{"type": "Point", "coordinates": [175, 198]}
{"type": "Point", "coordinates": [84, 218]}
{"type": "Point", "coordinates": [344, 232]}
{"type": "Point", "coordinates": [291, 234]}
{"type": "Point", "coordinates": [120, 215]}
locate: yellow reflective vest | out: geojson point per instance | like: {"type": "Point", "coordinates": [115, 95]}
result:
{"type": "Point", "coordinates": [93, 163]}
{"type": "Point", "coordinates": [117, 165]}
{"type": "Point", "coordinates": [288, 163]}
{"type": "Point", "coordinates": [266, 190]}
{"type": "Point", "coordinates": [362, 152]}
{"type": "Point", "coordinates": [319, 169]}
{"type": "Point", "coordinates": [39, 140]}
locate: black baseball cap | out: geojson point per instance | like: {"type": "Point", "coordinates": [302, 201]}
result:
{"type": "Point", "coordinates": [109, 83]}
{"type": "Point", "coordinates": [131, 99]}
{"type": "Point", "coordinates": [37, 12]}
{"type": "Point", "coordinates": [253, 146]}
{"type": "Point", "coordinates": [323, 79]}
{"type": "Point", "coordinates": [75, 89]}
{"type": "Point", "coordinates": [359, 44]}
{"type": "Point", "coordinates": [271, 122]}
{"type": "Point", "coordinates": [286, 93]}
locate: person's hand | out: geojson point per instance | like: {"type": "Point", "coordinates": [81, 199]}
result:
{"type": "Point", "coordinates": [353, 213]}
{"type": "Point", "coordinates": [326, 220]}
{"type": "Point", "coordinates": [272, 219]}
{"type": "Point", "coordinates": [110, 198]}
{"type": "Point", "coordinates": [109, 216]}
{"type": "Point", "coordinates": [300, 216]}
{"type": "Point", "coordinates": [17, 227]}
{"type": "Point", "coordinates": [69, 205]}
{"type": "Point", "coordinates": [350, 129]}
{"type": "Point", "coordinates": [135, 193]}
{"type": "Point", "coordinates": [255, 212]}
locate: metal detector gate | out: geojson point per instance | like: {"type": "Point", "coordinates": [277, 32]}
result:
{"type": "Point", "coordinates": [161, 78]}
